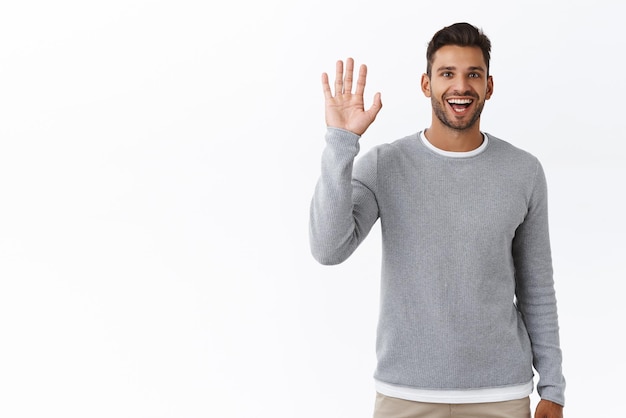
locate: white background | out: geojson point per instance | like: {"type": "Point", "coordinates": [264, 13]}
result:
{"type": "Point", "coordinates": [157, 160]}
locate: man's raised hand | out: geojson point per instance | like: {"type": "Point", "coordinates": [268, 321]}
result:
{"type": "Point", "coordinates": [345, 109]}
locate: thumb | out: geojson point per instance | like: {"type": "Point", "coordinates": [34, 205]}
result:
{"type": "Point", "coordinates": [376, 106]}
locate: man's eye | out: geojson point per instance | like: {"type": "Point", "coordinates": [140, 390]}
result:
{"type": "Point", "coordinates": [447, 74]}
{"type": "Point", "coordinates": [474, 75]}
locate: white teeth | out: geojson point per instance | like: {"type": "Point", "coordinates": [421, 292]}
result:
{"type": "Point", "coordinates": [460, 101]}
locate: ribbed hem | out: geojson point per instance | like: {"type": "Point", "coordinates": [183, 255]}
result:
{"type": "Point", "coordinates": [498, 394]}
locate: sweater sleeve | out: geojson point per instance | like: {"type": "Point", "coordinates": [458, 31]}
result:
{"type": "Point", "coordinates": [535, 292]}
{"type": "Point", "coordinates": [343, 208]}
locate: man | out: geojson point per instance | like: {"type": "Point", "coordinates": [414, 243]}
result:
{"type": "Point", "coordinates": [467, 298]}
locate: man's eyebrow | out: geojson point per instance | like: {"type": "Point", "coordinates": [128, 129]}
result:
{"type": "Point", "coordinates": [453, 68]}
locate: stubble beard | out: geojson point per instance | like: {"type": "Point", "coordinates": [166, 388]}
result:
{"type": "Point", "coordinates": [460, 125]}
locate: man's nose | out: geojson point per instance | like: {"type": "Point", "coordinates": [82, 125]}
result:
{"type": "Point", "coordinates": [461, 85]}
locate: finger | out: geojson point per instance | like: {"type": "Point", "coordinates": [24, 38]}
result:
{"type": "Point", "coordinates": [347, 85]}
{"type": "Point", "coordinates": [339, 77]}
{"type": "Point", "coordinates": [328, 94]}
{"type": "Point", "coordinates": [360, 82]}
{"type": "Point", "coordinates": [376, 106]}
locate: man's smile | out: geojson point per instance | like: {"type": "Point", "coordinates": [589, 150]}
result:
{"type": "Point", "coordinates": [460, 105]}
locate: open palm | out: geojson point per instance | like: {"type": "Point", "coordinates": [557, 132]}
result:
{"type": "Point", "coordinates": [345, 109]}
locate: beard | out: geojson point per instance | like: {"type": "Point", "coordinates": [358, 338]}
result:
{"type": "Point", "coordinates": [458, 125]}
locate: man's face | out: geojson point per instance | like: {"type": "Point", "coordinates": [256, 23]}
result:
{"type": "Point", "coordinates": [458, 86]}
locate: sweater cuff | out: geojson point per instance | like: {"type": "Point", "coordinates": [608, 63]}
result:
{"type": "Point", "coordinates": [339, 138]}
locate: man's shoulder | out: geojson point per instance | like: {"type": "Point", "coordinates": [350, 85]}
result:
{"type": "Point", "coordinates": [500, 145]}
{"type": "Point", "coordinates": [398, 146]}
{"type": "Point", "coordinates": [513, 162]}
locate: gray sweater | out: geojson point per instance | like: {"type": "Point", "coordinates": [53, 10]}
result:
{"type": "Point", "coordinates": [467, 294]}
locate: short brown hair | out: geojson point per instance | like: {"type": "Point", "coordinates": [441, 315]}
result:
{"type": "Point", "coordinates": [460, 34]}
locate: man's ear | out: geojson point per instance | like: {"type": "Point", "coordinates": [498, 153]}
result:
{"type": "Point", "coordinates": [425, 85]}
{"type": "Point", "coordinates": [489, 88]}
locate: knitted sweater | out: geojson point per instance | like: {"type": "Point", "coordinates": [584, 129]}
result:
{"type": "Point", "coordinates": [467, 294]}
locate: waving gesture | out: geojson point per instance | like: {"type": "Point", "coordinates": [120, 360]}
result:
{"type": "Point", "coordinates": [345, 109]}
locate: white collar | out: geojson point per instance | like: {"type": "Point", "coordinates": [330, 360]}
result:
{"type": "Point", "coordinates": [455, 154]}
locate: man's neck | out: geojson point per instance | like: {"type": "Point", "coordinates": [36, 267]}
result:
{"type": "Point", "coordinates": [454, 140]}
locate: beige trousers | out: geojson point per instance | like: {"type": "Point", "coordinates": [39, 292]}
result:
{"type": "Point", "coordinates": [388, 407]}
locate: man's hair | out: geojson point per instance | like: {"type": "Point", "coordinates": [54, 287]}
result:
{"type": "Point", "coordinates": [460, 34]}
